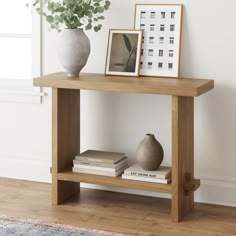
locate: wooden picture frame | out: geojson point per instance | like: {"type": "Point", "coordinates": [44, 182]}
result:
{"type": "Point", "coordinates": [161, 42]}
{"type": "Point", "coordinates": [123, 52]}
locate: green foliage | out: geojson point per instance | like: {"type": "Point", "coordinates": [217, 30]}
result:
{"type": "Point", "coordinates": [72, 14]}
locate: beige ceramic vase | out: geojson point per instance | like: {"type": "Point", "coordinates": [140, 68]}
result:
{"type": "Point", "coordinates": [149, 153]}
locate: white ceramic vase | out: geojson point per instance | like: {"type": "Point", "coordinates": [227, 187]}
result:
{"type": "Point", "coordinates": [73, 51]}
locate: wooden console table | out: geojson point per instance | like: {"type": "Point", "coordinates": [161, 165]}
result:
{"type": "Point", "coordinates": [66, 133]}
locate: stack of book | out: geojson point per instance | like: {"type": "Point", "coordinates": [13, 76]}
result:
{"type": "Point", "coordinates": [100, 163]}
{"type": "Point", "coordinates": [135, 172]}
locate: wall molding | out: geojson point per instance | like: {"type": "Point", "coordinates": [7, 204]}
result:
{"type": "Point", "coordinates": [17, 96]}
{"type": "Point", "coordinates": [25, 169]}
{"type": "Point", "coordinates": [217, 178]}
{"type": "Point", "coordinates": [217, 190]}
{"type": "Point", "coordinates": [23, 158]}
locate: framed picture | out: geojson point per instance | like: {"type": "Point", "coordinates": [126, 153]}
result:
{"type": "Point", "coordinates": [161, 42]}
{"type": "Point", "coordinates": [123, 52]}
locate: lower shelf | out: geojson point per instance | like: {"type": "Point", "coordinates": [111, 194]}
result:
{"type": "Point", "coordinates": [113, 181]}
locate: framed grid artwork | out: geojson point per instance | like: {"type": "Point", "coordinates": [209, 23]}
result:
{"type": "Point", "coordinates": [161, 41]}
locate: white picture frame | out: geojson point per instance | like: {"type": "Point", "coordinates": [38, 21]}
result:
{"type": "Point", "coordinates": [161, 42]}
{"type": "Point", "coordinates": [123, 52]}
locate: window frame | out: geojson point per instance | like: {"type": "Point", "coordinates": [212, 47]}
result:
{"type": "Point", "coordinates": [22, 90]}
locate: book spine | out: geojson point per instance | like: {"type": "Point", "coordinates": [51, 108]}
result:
{"type": "Point", "coordinates": [146, 175]}
{"type": "Point", "coordinates": [87, 163]}
{"type": "Point", "coordinates": [97, 160]}
{"type": "Point", "coordinates": [95, 172]}
{"type": "Point", "coordinates": [160, 181]}
{"type": "Point", "coordinates": [97, 168]}
{"type": "Point", "coordinates": [90, 159]}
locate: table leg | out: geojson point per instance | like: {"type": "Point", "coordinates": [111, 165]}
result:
{"type": "Point", "coordinates": [182, 155]}
{"type": "Point", "coordinates": [65, 140]}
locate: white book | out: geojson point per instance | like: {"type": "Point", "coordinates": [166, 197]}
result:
{"type": "Point", "coordinates": [163, 172]}
{"type": "Point", "coordinates": [98, 168]}
{"type": "Point", "coordinates": [146, 179]}
{"type": "Point", "coordinates": [96, 172]}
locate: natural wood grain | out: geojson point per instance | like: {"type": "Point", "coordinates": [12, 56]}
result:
{"type": "Point", "coordinates": [149, 85]}
{"type": "Point", "coordinates": [192, 185]}
{"type": "Point", "coordinates": [113, 181]}
{"type": "Point", "coordinates": [182, 155]}
{"type": "Point", "coordinates": [117, 212]}
{"type": "Point", "coordinates": [65, 139]}
{"type": "Point", "coordinates": [66, 132]}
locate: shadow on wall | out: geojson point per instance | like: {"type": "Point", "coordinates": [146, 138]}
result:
{"type": "Point", "coordinates": [134, 115]}
{"type": "Point", "coordinates": [96, 120]}
{"type": "Point", "coordinates": [216, 119]}
{"type": "Point", "coordinates": [215, 112]}
{"type": "Point", "coordinates": [186, 55]}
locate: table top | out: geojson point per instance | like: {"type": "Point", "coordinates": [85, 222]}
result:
{"type": "Point", "coordinates": [147, 85]}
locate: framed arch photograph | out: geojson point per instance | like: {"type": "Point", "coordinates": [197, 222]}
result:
{"type": "Point", "coordinates": [123, 52]}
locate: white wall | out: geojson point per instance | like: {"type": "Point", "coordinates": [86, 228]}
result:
{"type": "Point", "coordinates": [119, 121]}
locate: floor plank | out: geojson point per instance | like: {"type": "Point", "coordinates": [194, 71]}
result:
{"type": "Point", "coordinates": [124, 213]}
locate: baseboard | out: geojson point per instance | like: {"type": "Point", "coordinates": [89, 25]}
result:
{"type": "Point", "coordinates": [25, 169]}
{"type": "Point", "coordinates": [213, 190]}
{"type": "Point", "coordinates": [217, 190]}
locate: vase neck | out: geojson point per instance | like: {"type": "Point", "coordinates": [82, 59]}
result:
{"type": "Point", "coordinates": [149, 136]}
{"type": "Point", "coordinates": [77, 29]}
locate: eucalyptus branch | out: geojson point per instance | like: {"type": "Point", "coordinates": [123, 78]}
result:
{"type": "Point", "coordinates": [73, 14]}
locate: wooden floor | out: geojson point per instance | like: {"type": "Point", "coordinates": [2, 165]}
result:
{"type": "Point", "coordinates": [116, 212]}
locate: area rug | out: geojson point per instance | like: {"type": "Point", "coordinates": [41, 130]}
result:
{"type": "Point", "coordinates": [11, 226]}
